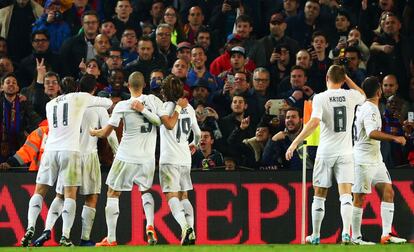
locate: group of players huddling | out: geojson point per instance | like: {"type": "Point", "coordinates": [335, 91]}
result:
{"type": "Point", "coordinates": [78, 115]}
{"type": "Point", "coordinates": [75, 115]}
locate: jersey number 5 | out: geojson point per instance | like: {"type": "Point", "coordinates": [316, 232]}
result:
{"type": "Point", "coordinates": [65, 115]}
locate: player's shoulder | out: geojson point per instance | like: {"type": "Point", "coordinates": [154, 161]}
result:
{"type": "Point", "coordinates": [190, 108]}
{"type": "Point", "coordinates": [122, 105]}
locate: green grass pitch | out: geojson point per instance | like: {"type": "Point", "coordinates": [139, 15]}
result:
{"type": "Point", "coordinates": [228, 248]}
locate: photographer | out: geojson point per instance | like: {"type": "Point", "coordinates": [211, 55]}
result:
{"type": "Point", "coordinates": [351, 60]}
{"type": "Point", "coordinates": [52, 21]}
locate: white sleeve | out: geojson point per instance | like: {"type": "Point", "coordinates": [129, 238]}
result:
{"type": "Point", "coordinates": [95, 101]}
{"type": "Point", "coordinates": [152, 117]}
{"type": "Point", "coordinates": [369, 120]}
{"type": "Point", "coordinates": [317, 110]}
{"type": "Point", "coordinates": [166, 109]}
{"type": "Point", "coordinates": [357, 97]}
{"type": "Point", "coordinates": [112, 139]}
{"type": "Point", "coordinates": [195, 128]}
{"type": "Point", "coordinates": [116, 115]}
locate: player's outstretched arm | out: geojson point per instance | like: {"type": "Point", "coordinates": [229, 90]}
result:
{"type": "Point", "coordinates": [96, 101]}
{"type": "Point", "coordinates": [102, 133]}
{"type": "Point", "coordinates": [307, 130]}
{"type": "Point", "coordinates": [382, 136]}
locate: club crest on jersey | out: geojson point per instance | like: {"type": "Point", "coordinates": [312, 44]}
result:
{"type": "Point", "coordinates": [184, 111]}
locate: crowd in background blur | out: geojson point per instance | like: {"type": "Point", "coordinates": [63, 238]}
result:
{"type": "Point", "coordinates": [237, 59]}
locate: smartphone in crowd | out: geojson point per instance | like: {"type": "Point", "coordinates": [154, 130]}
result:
{"type": "Point", "coordinates": [410, 116]}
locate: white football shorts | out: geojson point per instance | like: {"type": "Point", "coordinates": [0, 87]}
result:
{"type": "Point", "coordinates": [123, 175]}
{"type": "Point", "coordinates": [342, 167]}
{"type": "Point", "coordinates": [367, 176]}
{"type": "Point", "coordinates": [61, 165]}
{"type": "Point", "coordinates": [175, 178]}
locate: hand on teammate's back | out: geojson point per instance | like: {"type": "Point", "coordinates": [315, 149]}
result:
{"type": "Point", "coordinates": [137, 105]}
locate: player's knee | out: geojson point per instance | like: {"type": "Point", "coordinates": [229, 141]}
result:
{"type": "Point", "coordinates": [91, 200]}
{"type": "Point", "coordinates": [112, 193]}
{"type": "Point", "coordinates": [183, 195]}
{"type": "Point", "coordinates": [320, 191]}
{"type": "Point", "coordinates": [388, 195]}
{"type": "Point", "coordinates": [41, 189]}
{"type": "Point", "coordinates": [358, 200]}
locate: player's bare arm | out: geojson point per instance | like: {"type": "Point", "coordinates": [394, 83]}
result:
{"type": "Point", "coordinates": [307, 130]}
{"type": "Point", "coordinates": [102, 133]}
{"type": "Point", "coordinates": [352, 85]}
{"type": "Point", "coordinates": [170, 121]}
{"type": "Point", "coordinates": [382, 136]}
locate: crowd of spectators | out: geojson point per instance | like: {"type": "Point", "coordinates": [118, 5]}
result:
{"type": "Point", "coordinates": [235, 58]}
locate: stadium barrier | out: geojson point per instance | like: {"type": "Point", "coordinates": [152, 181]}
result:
{"type": "Point", "coordinates": [230, 208]}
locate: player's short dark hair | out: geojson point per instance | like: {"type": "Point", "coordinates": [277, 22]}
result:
{"type": "Point", "coordinates": [172, 88]}
{"type": "Point", "coordinates": [370, 86]}
{"type": "Point", "coordinates": [68, 85]}
{"type": "Point", "coordinates": [336, 73]}
{"type": "Point", "coordinates": [87, 83]}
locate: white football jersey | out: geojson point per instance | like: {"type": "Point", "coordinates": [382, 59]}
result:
{"type": "Point", "coordinates": [367, 119]}
{"type": "Point", "coordinates": [174, 143]}
{"type": "Point", "coordinates": [335, 108]}
{"type": "Point", "coordinates": [139, 137]}
{"type": "Point", "coordinates": [64, 116]}
{"type": "Point", "coordinates": [93, 118]}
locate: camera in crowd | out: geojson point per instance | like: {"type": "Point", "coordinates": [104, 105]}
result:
{"type": "Point", "coordinates": [58, 16]}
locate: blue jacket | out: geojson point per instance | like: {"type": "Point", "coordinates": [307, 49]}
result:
{"type": "Point", "coordinates": [58, 31]}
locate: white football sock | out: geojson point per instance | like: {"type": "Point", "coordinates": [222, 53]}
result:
{"type": "Point", "coordinates": [387, 214]}
{"type": "Point", "coordinates": [189, 212]}
{"type": "Point", "coordinates": [112, 213]}
{"type": "Point", "coordinates": [148, 205]}
{"type": "Point", "coordinates": [346, 212]}
{"type": "Point", "coordinates": [318, 212]}
{"type": "Point", "coordinates": [68, 216]}
{"type": "Point", "coordinates": [35, 206]}
{"type": "Point", "coordinates": [356, 221]}
{"type": "Point", "coordinates": [88, 217]}
{"type": "Point", "coordinates": [177, 211]}
{"type": "Point", "coordinates": [54, 212]}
